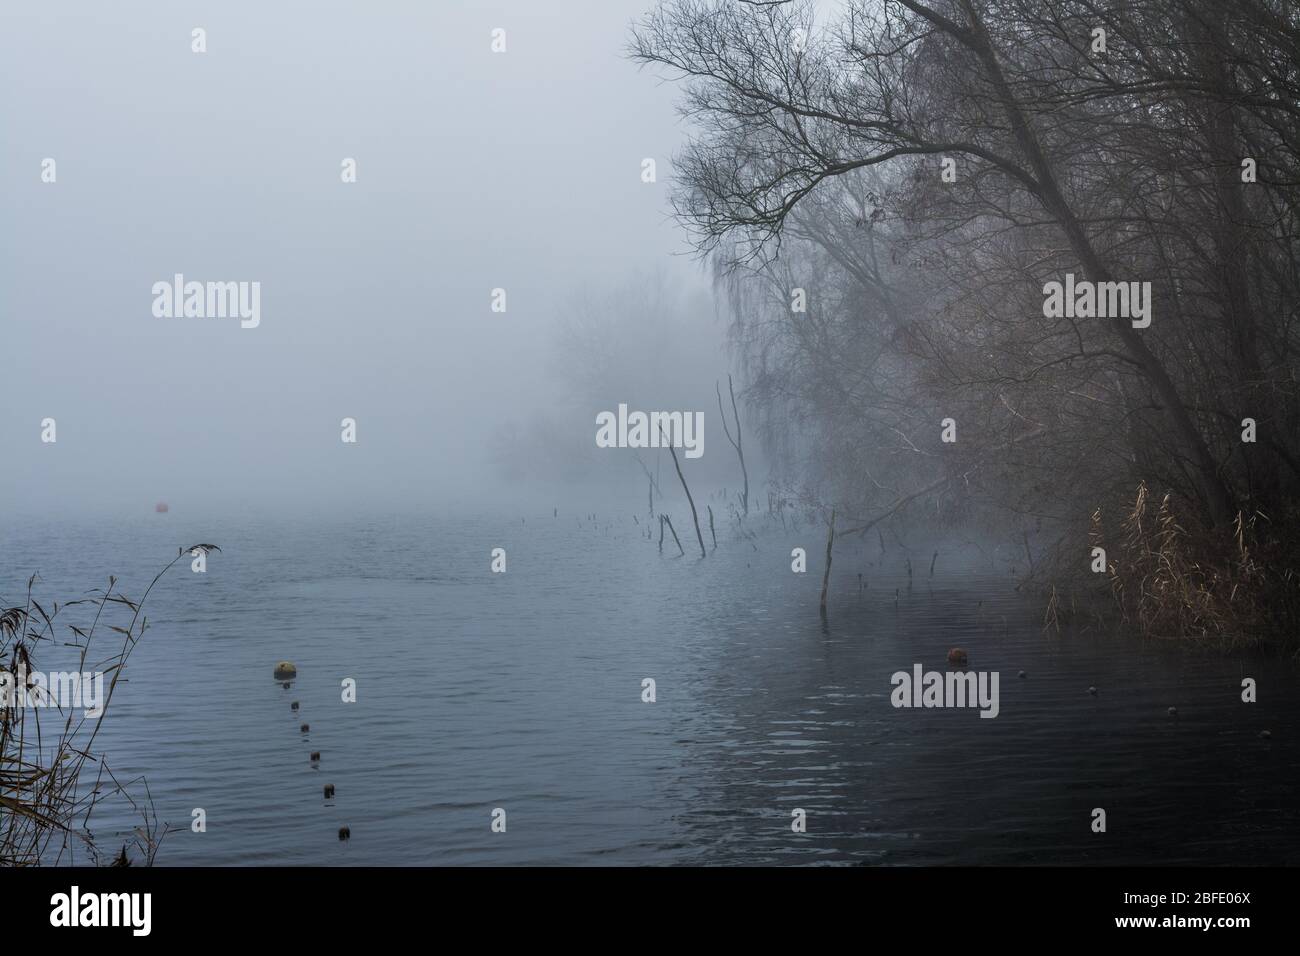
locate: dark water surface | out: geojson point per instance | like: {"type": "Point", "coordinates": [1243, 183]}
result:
{"type": "Point", "coordinates": [523, 691]}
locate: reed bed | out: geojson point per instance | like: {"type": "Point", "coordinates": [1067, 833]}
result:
{"type": "Point", "coordinates": [1230, 588]}
{"type": "Point", "coordinates": [52, 777]}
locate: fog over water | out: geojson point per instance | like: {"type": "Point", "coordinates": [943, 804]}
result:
{"type": "Point", "coordinates": [400, 459]}
{"type": "Point", "coordinates": [523, 691]}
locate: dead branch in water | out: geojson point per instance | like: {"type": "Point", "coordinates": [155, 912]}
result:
{"type": "Point", "coordinates": [675, 538]}
{"type": "Point", "coordinates": [695, 516]}
{"type": "Point", "coordinates": [826, 575]}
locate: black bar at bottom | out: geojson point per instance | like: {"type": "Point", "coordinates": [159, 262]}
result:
{"type": "Point", "coordinates": [367, 905]}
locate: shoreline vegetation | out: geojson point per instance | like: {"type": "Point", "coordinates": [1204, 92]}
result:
{"type": "Point", "coordinates": [1228, 587]}
{"type": "Point", "coordinates": [1146, 573]}
{"type": "Point", "coordinates": [896, 202]}
{"type": "Point", "coordinates": [52, 778]}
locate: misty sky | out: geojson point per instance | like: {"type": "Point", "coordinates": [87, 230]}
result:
{"type": "Point", "coordinates": [476, 170]}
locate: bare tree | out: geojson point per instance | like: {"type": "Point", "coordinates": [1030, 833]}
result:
{"type": "Point", "coordinates": [922, 169]}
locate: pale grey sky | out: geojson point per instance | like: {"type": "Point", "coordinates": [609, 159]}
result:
{"type": "Point", "coordinates": [476, 170]}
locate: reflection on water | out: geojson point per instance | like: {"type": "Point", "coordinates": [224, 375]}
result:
{"type": "Point", "coordinates": [523, 691]}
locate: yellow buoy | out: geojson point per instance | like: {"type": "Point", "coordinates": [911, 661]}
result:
{"type": "Point", "coordinates": [285, 670]}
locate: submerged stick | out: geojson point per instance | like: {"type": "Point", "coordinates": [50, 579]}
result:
{"type": "Point", "coordinates": [695, 515]}
{"type": "Point", "coordinates": [675, 538]}
{"type": "Point", "coordinates": [711, 530]}
{"type": "Point", "coordinates": [826, 575]}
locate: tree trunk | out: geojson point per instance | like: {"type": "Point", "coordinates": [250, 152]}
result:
{"type": "Point", "coordinates": [1214, 492]}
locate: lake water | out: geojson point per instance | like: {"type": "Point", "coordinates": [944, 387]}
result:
{"type": "Point", "coordinates": [523, 691]}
